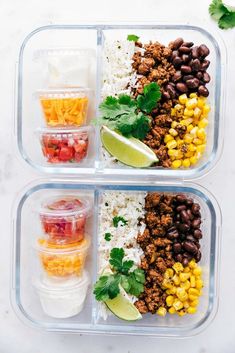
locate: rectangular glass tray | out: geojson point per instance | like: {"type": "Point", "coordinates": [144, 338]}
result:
{"type": "Point", "coordinates": [26, 228]}
{"type": "Point", "coordinates": [29, 79]}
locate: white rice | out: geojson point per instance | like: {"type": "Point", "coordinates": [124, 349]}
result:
{"type": "Point", "coordinates": [130, 206]}
{"type": "Point", "coordinates": [117, 63]}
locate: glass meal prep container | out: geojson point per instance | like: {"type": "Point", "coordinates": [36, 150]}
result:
{"type": "Point", "coordinates": [28, 297]}
{"type": "Point", "coordinates": [93, 37]}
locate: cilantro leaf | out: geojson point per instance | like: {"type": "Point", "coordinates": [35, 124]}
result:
{"type": "Point", "coordinates": [217, 9]}
{"type": "Point", "coordinates": [132, 38]}
{"type": "Point", "coordinates": [141, 127]}
{"type": "Point", "coordinates": [136, 288]}
{"type": "Point", "coordinates": [148, 100]}
{"type": "Point", "coordinates": [126, 266]}
{"type": "Point", "coordinates": [116, 257]}
{"type": "Point", "coordinates": [107, 236]}
{"type": "Point", "coordinates": [139, 275]}
{"type": "Point", "coordinates": [125, 283]}
{"type": "Point", "coordinates": [227, 20]}
{"type": "Point", "coordinates": [118, 219]}
{"type": "Point", "coordinates": [107, 287]}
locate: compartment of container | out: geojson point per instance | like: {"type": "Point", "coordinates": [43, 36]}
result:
{"type": "Point", "coordinates": [118, 215]}
{"type": "Point", "coordinates": [108, 75]}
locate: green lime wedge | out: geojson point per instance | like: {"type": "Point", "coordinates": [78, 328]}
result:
{"type": "Point", "coordinates": [123, 308]}
{"type": "Point", "coordinates": [130, 151]}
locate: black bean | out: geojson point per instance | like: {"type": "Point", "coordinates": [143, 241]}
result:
{"type": "Point", "coordinates": [179, 257]}
{"type": "Point", "coordinates": [204, 65]}
{"type": "Point", "coordinates": [166, 95]}
{"type": "Point", "coordinates": [196, 223]}
{"type": "Point", "coordinates": [185, 58]}
{"type": "Point", "coordinates": [178, 216]}
{"type": "Point", "coordinates": [187, 44]}
{"type": "Point", "coordinates": [177, 61]}
{"type": "Point", "coordinates": [194, 52]}
{"type": "Point", "coordinates": [181, 198]}
{"type": "Point", "coordinates": [188, 255]}
{"type": "Point", "coordinates": [198, 256]}
{"type": "Point", "coordinates": [180, 208]}
{"type": "Point", "coordinates": [190, 238]}
{"type": "Point", "coordinates": [193, 83]}
{"type": "Point", "coordinates": [184, 228]}
{"type": "Point", "coordinates": [177, 248]}
{"type": "Point", "coordinates": [182, 87]}
{"type": "Point", "coordinates": [184, 216]}
{"type": "Point", "coordinates": [184, 50]}
{"type": "Point", "coordinates": [203, 91]}
{"type": "Point", "coordinates": [177, 43]}
{"type": "Point", "coordinates": [187, 77]}
{"type": "Point", "coordinates": [206, 77]}
{"type": "Point", "coordinates": [199, 75]}
{"type": "Point", "coordinates": [203, 50]}
{"type": "Point", "coordinates": [186, 69]}
{"type": "Point", "coordinates": [197, 234]}
{"type": "Point", "coordinates": [189, 202]}
{"type": "Point", "coordinates": [191, 217]}
{"type": "Point", "coordinates": [197, 245]}
{"type": "Point", "coordinates": [185, 262]}
{"type": "Point", "coordinates": [177, 76]}
{"type": "Point", "coordinates": [195, 208]}
{"type": "Point", "coordinates": [196, 65]}
{"type": "Point", "coordinates": [175, 53]}
{"type": "Point", "coordinates": [170, 90]}
{"type": "Point", "coordinates": [190, 247]}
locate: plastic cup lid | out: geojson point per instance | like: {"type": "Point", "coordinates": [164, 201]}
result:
{"type": "Point", "coordinates": [45, 247]}
{"type": "Point", "coordinates": [63, 130]}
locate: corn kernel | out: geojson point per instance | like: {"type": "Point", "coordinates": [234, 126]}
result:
{"type": "Point", "coordinates": [173, 132]}
{"type": "Point", "coordinates": [189, 127]}
{"type": "Point", "coordinates": [193, 132]}
{"type": "Point", "coordinates": [172, 310]}
{"type": "Point", "coordinates": [191, 103]}
{"type": "Point", "coordinates": [206, 109]}
{"type": "Point", "coordinates": [186, 269]}
{"type": "Point", "coordinates": [161, 311]}
{"type": "Point", "coordinates": [193, 95]}
{"type": "Point", "coordinates": [172, 153]}
{"type": "Point", "coordinates": [168, 138]}
{"type": "Point", "coordinates": [197, 142]}
{"type": "Point", "coordinates": [197, 271]}
{"type": "Point", "coordinates": [192, 297]}
{"type": "Point", "coordinates": [174, 124]}
{"type": "Point", "coordinates": [197, 113]}
{"type": "Point", "coordinates": [202, 123]}
{"type": "Point", "coordinates": [169, 273]}
{"type": "Point", "coordinates": [186, 163]}
{"type": "Point", "coordinates": [178, 107]}
{"type": "Point", "coordinates": [178, 267]}
{"type": "Point", "coordinates": [193, 160]}
{"type": "Point", "coordinates": [185, 285]}
{"type": "Point", "coordinates": [176, 280]}
{"type": "Point", "coordinates": [191, 147]}
{"type": "Point", "coordinates": [193, 291]}
{"type": "Point", "coordinates": [169, 300]}
{"type": "Point", "coordinates": [192, 264]}
{"type": "Point", "coordinates": [194, 302]}
{"type": "Point", "coordinates": [173, 111]}
{"type": "Point", "coordinates": [171, 290]}
{"type": "Point", "coordinates": [180, 142]}
{"type": "Point", "coordinates": [186, 304]}
{"type": "Point", "coordinates": [176, 164]}
{"type": "Point", "coordinates": [186, 121]}
{"type": "Point", "coordinates": [188, 112]}
{"type": "Point", "coordinates": [184, 276]}
{"type": "Point", "coordinates": [189, 154]}
{"type": "Point", "coordinates": [188, 138]}
{"type": "Point", "coordinates": [191, 310]}
{"type": "Point", "coordinates": [199, 284]}
{"type": "Point", "coordinates": [171, 144]}
{"type": "Point", "coordinates": [178, 305]}
{"type": "Point", "coordinates": [183, 98]}
{"type": "Point", "coordinates": [181, 313]}
{"type": "Point", "coordinates": [166, 284]}
{"type": "Point", "coordinates": [201, 148]}
{"type": "Point", "coordinates": [201, 134]}
{"type": "Point", "coordinates": [181, 294]}
{"type": "Point", "coordinates": [201, 102]}
{"type": "Point", "coordinates": [192, 281]}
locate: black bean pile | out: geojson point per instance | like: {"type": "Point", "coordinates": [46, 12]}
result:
{"type": "Point", "coordinates": [191, 65]}
{"type": "Point", "coordinates": [185, 231]}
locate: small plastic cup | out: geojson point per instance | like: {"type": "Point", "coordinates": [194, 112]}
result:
{"type": "Point", "coordinates": [62, 299]}
{"type": "Point", "coordinates": [66, 67]}
{"type": "Point", "coordinates": [63, 219]}
{"type": "Point", "coordinates": [63, 260]}
{"type": "Point", "coordinates": [65, 106]}
{"type": "Point", "coordinates": [65, 146]}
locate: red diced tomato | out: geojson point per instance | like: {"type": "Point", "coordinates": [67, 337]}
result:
{"type": "Point", "coordinates": [66, 153]}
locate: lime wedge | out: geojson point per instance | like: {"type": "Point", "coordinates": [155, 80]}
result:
{"type": "Point", "coordinates": [122, 307]}
{"type": "Point", "coordinates": [130, 151]}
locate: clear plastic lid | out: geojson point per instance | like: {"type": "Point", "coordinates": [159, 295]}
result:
{"type": "Point", "coordinates": [65, 206]}
{"type": "Point", "coordinates": [45, 247]}
{"type": "Point", "coordinates": [63, 130]}
{"type": "Point", "coordinates": [62, 51]}
{"type": "Point", "coordinates": [64, 92]}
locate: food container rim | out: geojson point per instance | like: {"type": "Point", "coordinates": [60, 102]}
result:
{"type": "Point", "coordinates": [62, 90]}
{"type": "Point", "coordinates": [82, 281]}
{"type": "Point", "coordinates": [55, 51]}
{"type": "Point", "coordinates": [65, 250]}
{"type": "Point", "coordinates": [63, 130]}
{"type": "Point", "coordinates": [84, 209]}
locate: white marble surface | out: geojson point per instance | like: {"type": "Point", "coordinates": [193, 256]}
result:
{"type": "Point", "coordinates": [17, 18]}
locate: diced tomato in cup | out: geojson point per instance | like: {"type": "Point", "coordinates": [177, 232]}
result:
{"type": "Point", "coordinates": [63, 220]}
{"type": "Point", "coordinates": [65, 146]}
